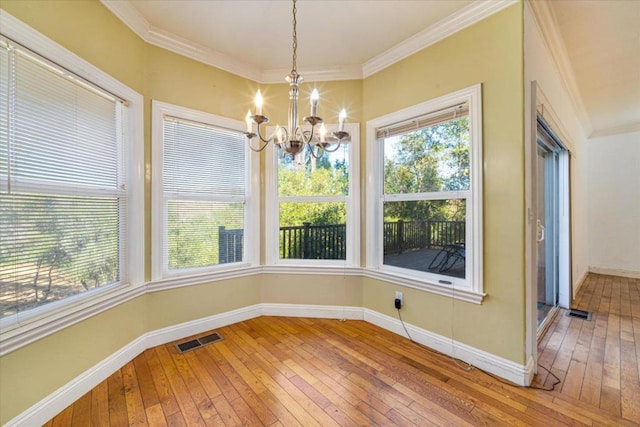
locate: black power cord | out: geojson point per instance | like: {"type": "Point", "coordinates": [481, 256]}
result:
{"type": "Point", "coordinates": [471, 367]}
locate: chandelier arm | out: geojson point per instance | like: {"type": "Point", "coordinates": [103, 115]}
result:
{"type": "Point", "coordinates": [257, 150]}
{"type": "Point", "coordinates": [318, 152]}
{"type": "Point", "coordinates": [262, 138]}
{"type": "Point", "coordinates": [335, 149]}
{"type": "Point", "coordinates": [307, 136]}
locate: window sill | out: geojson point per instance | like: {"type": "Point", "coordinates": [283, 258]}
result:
{"type": "Point", "coordinates": [20, 330]}
{"type": "Point", "coordinates": [224, 273]}
{"type": "Point", "coordinates": [458, 293]}
{"type": "Point", "coordinates": [16, 333]}
{"type": "Point", "coordinates": [324, 269]}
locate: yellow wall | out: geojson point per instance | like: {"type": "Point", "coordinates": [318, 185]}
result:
{"type": "Point", "coordinates": [175, 306]}
{"type": "Point", "coordinates": [33, 372]}
{"type": "Point", "coordinates": [92, 32]}
{"type": "Point", "coordinates": [489, 53]}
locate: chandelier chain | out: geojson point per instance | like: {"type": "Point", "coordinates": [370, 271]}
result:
{"type": "Point", "coordinates": [295, 38]}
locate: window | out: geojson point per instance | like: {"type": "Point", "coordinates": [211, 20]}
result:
{"type": "Point", "coordinates": [426, 192]}
{"type": "Point", "coordinates": [202, 198]}
{"type": "Point", "coordinates": [311, 209]}
{"type": "Point", "coordinates": [68, 212]}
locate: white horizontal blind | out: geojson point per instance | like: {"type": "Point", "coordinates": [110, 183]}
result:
{"type": "Point", "coordinates": [64, 191]}
{"type": "Point", "coordinates": [426, 120]}
{"type": "Point", "coordinates": [4, 117]}
{"type": "Point", "coordinates": [204, 189]}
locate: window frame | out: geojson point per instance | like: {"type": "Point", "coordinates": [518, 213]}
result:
{"type": "Point", "coordinates": [471, 288]}
{"type": "Point", "coordinates": [25, 327]}
{"type": "Point", "coordinates": [273, 200]}
{"type": "Point", "coordinates": [251, 243]}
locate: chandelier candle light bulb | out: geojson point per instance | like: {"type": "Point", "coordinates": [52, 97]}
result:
{"type": "Point", "coordinates": [258, 102]}
{"type": "Point", "coordinates": [341, 118]}
{"type": "Point", "coordinates": [315, 97]}
{"type": "Point", "coordinates": [323, 133]}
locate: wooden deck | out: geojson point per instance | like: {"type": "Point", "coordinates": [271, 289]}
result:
{"type": "Point", "coordinates": [423, 260]}
{"type": "Point", "coordinates": [294, 371]}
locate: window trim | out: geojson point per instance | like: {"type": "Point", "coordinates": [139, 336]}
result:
{"type": "Point", "coordinates": [352, 202]}
{"type": "Point", "coordinates": [252, 199]}
{"type": "Point", "coordinates": [26, 327]}
{"type": "Point", "coordinates": [474, 291]}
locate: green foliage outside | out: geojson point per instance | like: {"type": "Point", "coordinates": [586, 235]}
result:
{"type": "Point", "coordinates": [432, 159]}
{"type": "Point", "coordinates": [54, 247]}
{"type": "Point", "coordinates": [193, 231]}
{"type": "Point", "coordinates": [307, 176]}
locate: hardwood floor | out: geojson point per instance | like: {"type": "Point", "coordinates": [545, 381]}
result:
{"type": "Point", "coordinates": [598, 361]}
{"type": "Point", "coordinates": [275, 371]}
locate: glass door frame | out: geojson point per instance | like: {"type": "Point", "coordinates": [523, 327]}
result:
{"type": "Point", "coordinates": [556, 220]}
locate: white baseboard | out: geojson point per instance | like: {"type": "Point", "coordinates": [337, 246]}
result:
{"type": "Point", "coordinates": [578, 284]}
{"type": "Point", "coordinates": [51, 405]}
{"type": "Point", "coordinates": [47, 408]}
{"type": "Point", "coordinates": [514, 372]}
{"type": "Point", "coordinates": [317, 311]}
{"type": "Point", "coordinates": [198, 326]}
{"type": "Point", "coordinates": [633, 274]}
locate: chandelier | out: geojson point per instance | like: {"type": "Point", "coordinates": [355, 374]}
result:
{"type": "Point", "coordinates": [292, 139]}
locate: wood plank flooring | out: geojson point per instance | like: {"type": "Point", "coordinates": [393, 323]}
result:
{"type": "Point", "coordinates": [598, 361]}
{"type": "Point", "coordinates": [273, 371]}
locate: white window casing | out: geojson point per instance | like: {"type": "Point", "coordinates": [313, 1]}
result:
{"type": "Point", "coordinates": [71, 139]}
{"type": "Point", "coordinates": [466, 101]}
{"type": "Point", "coordinates": [351, 200]}
{"type": "Point", "coordinates": [202, 166]}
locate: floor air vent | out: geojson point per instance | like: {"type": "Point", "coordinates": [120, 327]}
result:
{"type": "Point", "coordinates": [580, 314]}
{"type": "Point", "coordinates": [198, 342]}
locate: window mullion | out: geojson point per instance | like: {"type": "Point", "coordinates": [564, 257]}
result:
{"type": "Point", "coordinates": [312, 199]}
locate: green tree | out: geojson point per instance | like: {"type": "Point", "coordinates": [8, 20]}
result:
{"type": "Point", "coordinates": [306, 176]}
{"type": "Point", "coordinates": [431, 159]}
{"type": "Point", "coordinates": [193, 231]}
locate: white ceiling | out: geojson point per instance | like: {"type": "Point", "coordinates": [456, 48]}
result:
{"type": "Point", "coordinates": [602, 42]}
{"type": "Point", "coordinates": [351, 39]}
{"type": "Point", "coordinates": [259, 33]}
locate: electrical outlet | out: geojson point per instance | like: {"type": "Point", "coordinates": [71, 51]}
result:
{"type": "Point", "coordinates": [399, 300]}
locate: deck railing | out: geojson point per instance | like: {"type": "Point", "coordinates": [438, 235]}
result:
{"type": "Point", "coordinates": [403, 236]}
{"type": "Point", "coordinates": [313, 241]}
{"type": "Point", "coordinates": [309, 241]}
{"type": "Point", "coordinates": [230, 245]}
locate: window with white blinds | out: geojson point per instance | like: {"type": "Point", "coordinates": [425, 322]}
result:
{"type": "Point", "coordinates": [202, 171]}
{"type": "Point", "coordinates": [63, 183]}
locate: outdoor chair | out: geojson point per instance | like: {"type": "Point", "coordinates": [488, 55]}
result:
{"type": "Point", "coordinates": [447, 257]}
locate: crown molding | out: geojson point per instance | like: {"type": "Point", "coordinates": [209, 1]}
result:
{"type": "Point", "coordinates": [340, 72]}
{"type": "Point", "coordinates": [128, 14]}
{"type": "Point", "coordinates": [616, 130]}
{"type": "Point", "coordinates": [467, 16]}
{"type": "Point", "coordinates": [475, 12]}
{"type": "Point", "coordinates": [546, 22]}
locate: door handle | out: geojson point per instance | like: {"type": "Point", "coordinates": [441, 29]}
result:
{"type": "Point", "coordinates": [540, 231]}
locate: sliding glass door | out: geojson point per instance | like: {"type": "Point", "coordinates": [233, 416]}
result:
{"type": "Point", "coordinates": [547, 228]}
